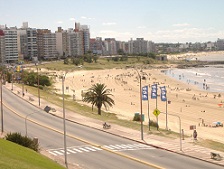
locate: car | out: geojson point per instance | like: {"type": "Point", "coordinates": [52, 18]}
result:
{"type": "Point", "coordinates": [217, 124]}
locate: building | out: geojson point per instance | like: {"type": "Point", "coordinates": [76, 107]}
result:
{"type": "Point", "coordinates": [84, 31]}
{"type": "Point", "coordinates": [109, 46]}
{"type": "Point", "coordinates": [31, 44]}
{"type": "Point", "coordinates": [22, 44]}
{"type": "Point", "coordinates": [75, 43]}
{"type": "Point", "coordinates": [220, 44]}
{"type": "Point", "coordinates": [2, 47]}
{"type": "Point", "coordinates": [46, 42]}
{"type": "Point", "coordinates": [11, 50]}
{"type": "Point", "coordinates": [96, 45]}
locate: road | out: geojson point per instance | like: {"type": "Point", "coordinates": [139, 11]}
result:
{"type": "Point", "coordinates": [88, 147]}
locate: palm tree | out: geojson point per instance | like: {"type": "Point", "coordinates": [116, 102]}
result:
{"type": "Point", "coordinates": [98, 95]}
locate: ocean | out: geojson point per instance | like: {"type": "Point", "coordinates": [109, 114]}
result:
{"type": "Point", "coordinates": [209, 78]}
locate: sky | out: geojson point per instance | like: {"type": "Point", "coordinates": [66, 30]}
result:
{"type": "Point", "coordinates": [166, 21]}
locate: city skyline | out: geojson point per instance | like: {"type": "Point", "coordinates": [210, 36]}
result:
{"type": "Point", "coordinates": [159, 21]}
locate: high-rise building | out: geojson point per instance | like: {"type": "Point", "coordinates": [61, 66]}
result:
{"type": "Point", "coordinates": [84, 30]}
{"type": "Point", "coordinates": [32, 44]}
{"type": "Point", "coordinates": [11, 50]}
{"type": "Point", "coordinates": [22, 44]}
{"type": "Point", "coordinates": [2, 47]}
{"type": "Point", "coordinates": [96, 45]}
{"type": "Point", "coordinates": [46, 42]}
{"type": "Point", "coordinates": [75, 43]}
{"type": "Point", "coordinates": [61, 42]}
{"type": "Point", "coordinates": [109, 46]}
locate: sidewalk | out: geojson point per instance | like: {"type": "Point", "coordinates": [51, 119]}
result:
{"type": "Point", "coordinates": [188, 148]}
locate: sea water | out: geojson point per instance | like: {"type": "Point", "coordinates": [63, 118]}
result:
{"type": "Point", "coordinates": [208, 78]}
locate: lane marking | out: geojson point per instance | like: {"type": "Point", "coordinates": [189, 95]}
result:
{"type": "Point", "coordinates": [85, 141]}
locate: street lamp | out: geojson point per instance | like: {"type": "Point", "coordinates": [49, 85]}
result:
{"type": "Point", "coordinates": [26, 119]}
{"type": "Point", "coordinates": [140, 90]}
{"type": "Point", "coordinates": [38, 84]}
{"type": "Point", "coordinates": [65, 146]}
{"type": "Point", "coordinates": [12, 82]}
{"type": "Point", "coordinates": [1, 104]}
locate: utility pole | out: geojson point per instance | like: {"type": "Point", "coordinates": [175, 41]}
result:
{"type": "Point", "coordinates": [140, 90]}
{"type": "Point", "coordinates": [1, 104]}
{"type": "Point", "coordinates": [38, 84]}
{"type": "Point", "coordinates": [65, 145]}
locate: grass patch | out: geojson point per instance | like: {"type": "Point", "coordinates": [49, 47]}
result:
{"type": "Point", "coordinates": [102, 63]}
{"type": "Point", "coordinates": [14, 156]}
{"type": "Point", "coordinates": [211, 144]}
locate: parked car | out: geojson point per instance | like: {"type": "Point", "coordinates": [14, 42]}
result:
{"type": "Point", "coordinates": [217, 124]}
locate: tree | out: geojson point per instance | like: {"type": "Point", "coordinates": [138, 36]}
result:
{"type": "Point", "coordinates": [98, 95]}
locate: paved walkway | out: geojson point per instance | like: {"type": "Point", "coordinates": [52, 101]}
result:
{"type": "Point", "coordinates": [188, 146]}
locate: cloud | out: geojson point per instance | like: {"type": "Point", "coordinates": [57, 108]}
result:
{"type": "Point", "coordinates": [72, 19]}
{"type": "Point", "coordinates": [181, 25]}
{"type": "Point", "coordinates": [141, 27]}
{"type": "Point", "coordinates": [185, 35]}
{"type": "Point", "coordinates": [124, 36]}
{"type": "Point", "coordinates": [84, 17]}
{"type": "Point", "coordinates": [109, 23]}
{"type": "Point", "coordinates": [59, 22]}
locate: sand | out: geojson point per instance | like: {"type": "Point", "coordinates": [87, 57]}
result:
{"type": "Point", "coordinates": [193, 106]}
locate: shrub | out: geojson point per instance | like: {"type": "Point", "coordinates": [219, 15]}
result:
{"type": "Point", "coordinates": [22, 140]}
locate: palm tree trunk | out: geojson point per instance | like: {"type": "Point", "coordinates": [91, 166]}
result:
{"type": "Point", "coordinates": [99, 111]}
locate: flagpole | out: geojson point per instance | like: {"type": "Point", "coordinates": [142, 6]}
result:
{"type": "Point", "coordinates": [166, 115]}
{"type": "Point", "coordinates": [148, 114]}
{"type": "Point", "coordinates": [156, 109]}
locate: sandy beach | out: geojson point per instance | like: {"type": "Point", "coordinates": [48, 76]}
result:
{"type": "Point", "coordinates": [193, 106]}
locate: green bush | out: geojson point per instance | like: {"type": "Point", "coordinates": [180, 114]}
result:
{"type": "Point", "coordinates": [22, 140]}
{"type": "Point", "coordinates": [136, 117]}
{"type": "Point", "coordinates": [153, 123]}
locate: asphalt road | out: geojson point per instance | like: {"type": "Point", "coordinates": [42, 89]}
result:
{"type": "Point", "coordinates": [88, 147]}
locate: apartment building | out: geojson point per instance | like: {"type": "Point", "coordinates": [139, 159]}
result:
{"type": "Point", "coordinates": [96, 45]}
{"type": "Point", "coordinates": [85, 32]}
{"type": "Point", "coordinates": [109, 46]}
{"type": "Point", "coordinates": [22, 44]}
{"type": "Point", "coordinates": [11, 49]}
{"type": "Point", "coordinates": [31, 44]}
{"type": "Point", "coordinates": [46, 42]}
{"type": "Point", "coordinates": [2, 47]}
{"type": "Point", "coordinates": [75, 43]}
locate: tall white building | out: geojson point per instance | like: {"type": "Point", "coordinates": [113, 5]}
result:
{"type": "Point", "coordinates": [11, 50]}
{"type": "Point", "coordinates": [22, 44]}
{"type": "Point", "coordinates": [84, 30]}
{"type": "Point", "coordinates": [75, 43]}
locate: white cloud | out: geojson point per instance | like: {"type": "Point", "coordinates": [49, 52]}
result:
{"type": "Point", "coordinates": [72, 19]}
{"type": "Point", "coordinates": [84, 17]}
{"type": "Point", "coordinates": [109, 23]}
{"type": "Point", "coordinates": [141, 27]}
{"type": "Point", "coordinates": [181, 25]}
{"type": "Point", "coordinates": [59, 22]}
{"type": "Point", "coordinates": [185, 35]}
{"type": "Point", "coordinates": [124, 36]}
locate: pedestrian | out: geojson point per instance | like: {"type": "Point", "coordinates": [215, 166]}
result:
{"type": "Point", "coordinates": [195, 134]}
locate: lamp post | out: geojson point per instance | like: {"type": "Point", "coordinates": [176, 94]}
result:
{"type": "Point", "coordinates": [179, 127]}
{"type": "Point", "coordinates": [65, 146]}
{"type": "Point", "coordinates": [26, 120]}
{"type": "Point", "coordinates": [140, 90]}
{"type": "Point", "coordinates": [12, 82]}
{"type": "Point", "coordinates": [1, 104]}
{"type": "Point", "coordinates": [38, 84]}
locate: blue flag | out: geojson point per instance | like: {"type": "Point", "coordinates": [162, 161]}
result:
{"type": "Point", "coordinates": [154, 91]}
{"type": "Point", "coordinates": [145, 93]}
{"type": "Point", "coordinates": [163, 93]}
